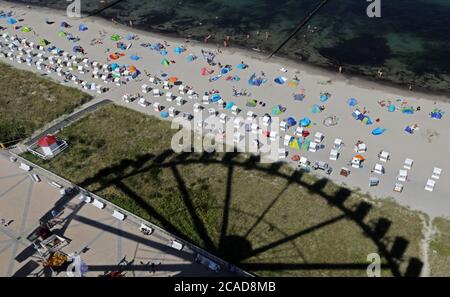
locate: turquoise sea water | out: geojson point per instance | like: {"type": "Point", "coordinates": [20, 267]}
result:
{"type": "Point", "coordinates": [410, 42]}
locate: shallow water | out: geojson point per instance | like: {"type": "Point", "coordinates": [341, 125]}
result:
{"type": "Point", "coordinates": [410, 43]}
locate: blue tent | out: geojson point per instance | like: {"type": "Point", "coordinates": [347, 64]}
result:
{"type": "Point", "coordinates": [77, 49]}
{"type": "Point", "coordinates": [378, 131]}
{"type": "Point", "coordinates": [236, 78]}
{"type": "Point", "coordinates": [82, 27]}
{"type": "Point", "coordinates": [241, 66]}
{"type": "Point", "coordinates": [163, 52]}
{"type": "Point", "coordinates": [254, 81]}
{"type": "Point", "coordinates": [65, 24]}
{"type": "Point", "coordinates": [164, 114]}
{"type": "Point", "coordinates": [114, 66]}
{"type": "Point", "coordinates": [299, 97]}
{"type": "Point", "coordinates": [190, 58]}
{"type": "Point", "coordinates": [135, 58]}
{"type": "Point", "coordinates": [409, 130]}
{"type": "Point", "coordinates": [291, 122]}
{"type": "Point", "coordinates": [305, 122]}
{"type": "Point", "coordinates": [178, 50]}
{"type": "Point", "coordinates": [215, 97]}
{"type": "Point", "coordinates": [391, 107]}
{"type": "Point", "coordinates": [352, 102]}
{"type": "Point", "coordinates": [436, 115]}
{"type": "Point", "coordinates": [280, 80]}
{"type": "Point", "coordinates": [225, 70]}
{"type": "Point", "coordinates": [315, 108]}
{"type": "Point", "coordinates": [11, 21]}
{"type": "Point", "coordinates": [229, 105]}
{"type": "Point", "coordinates": [323, 97]}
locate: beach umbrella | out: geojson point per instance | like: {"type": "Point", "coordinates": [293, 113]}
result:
{"type": "Point", "coordinates": [26, 29]}
{"type": "Point", "coordinates": [378, 131]}
{"type": "Point", "coordinates": [115, 37]}
{"type": "Point", "coordinates": [291, 122]}
{"type": "Point", "coordinates": [251, 103]}
{"type": "Point", "coordinates": [82, 27]}
{"type": "Point", "coordinates": [359, 157]}
{"type": "Point", "coordinates": [224, 70]}
{"type": "Point", "coordinates": [295, 143]}
{"type": "Point", "coordinates": [135, 57]}
{"type": "Point", "coordinates": [315, 108]}
{"type": "Point", "coordinates": [352, 102]}
{"type": "Point", "coordinates": [323, 97]}
{"type": "Point", "coordinates": [305, 122]}
{"type": "Point", "coordinates": [165, 62]}
{"type": "Point", "coordinates": [299, 97]}
{"type": "Point", "coordinates": [173, 79]}
{"type": "Point", "coordinates": [178, 50]}
{"type": "Point", "coordinates": [164, 114]}
{"type": "Point", "coordinates": [229, 105]}
{"type": "Point", "coordinates": [280, 80]}
{"type": "Point", "coordinates": [11, 21]}
{"type": "Point", "coordinates": [132, 69]}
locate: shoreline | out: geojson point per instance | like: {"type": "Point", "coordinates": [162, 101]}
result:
{"type": "Point", "coordinates": [352, 78]}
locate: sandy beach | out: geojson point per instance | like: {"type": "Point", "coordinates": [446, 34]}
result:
{"type": "Point", "coordinates": [428, 146]}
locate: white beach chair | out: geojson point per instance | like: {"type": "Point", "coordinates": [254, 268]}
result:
{"type": "Point", "coordinates": [408, 164]}
{"type": "Point", "coordinates": [250, 115]}
{"type": "Point", "coordinates": [273, 135]}
{"type": "Point", "coordinates": [266, 120]}
{"type": "Point", "coordinates": [318, 137]}
{"type": "Point", "coordinates": [334, 154]}
{"type": "Point", "coordinates": [142, 102]}
{"type": "Point", "coordinates": [337, 144]}
{"type": "Point", "coordinates": [430, 185]}
{"type": "Point", "coordinates": [223, 118]}
{"type": "Point", "coordinates": [398, 187]}
{"type": "Point", "coordinates": [287, 140]}
{"type": "Point", "coordinates": [282, 153]}
{"type": "Point", "coordinates": [299, 131]}
{"type": "Point", "coordinates": [237, 123]}
{"type": "Point", "coordinates": [156, 93]}
{"type": "Point", "coordinates": [378, 168]}
{"type": "Point", "coordinates": [197, 107]}
{"type": "Point", "coordinates": [283, 125]}
{"type": "Point", "coordinates": [235, 110]}
{"type": "Point", "coordinates": [303, 162]}
{"type": "Point", "coordinates": [172, 111]}
{"type": "Point", "coordinates": [436, 173]}
{"type": "Point", "coordinates": [313, 146]}
{"type": "Point", "coordinates": [402, 175]}
{"type": "Point", "coordinates": [384, 156]}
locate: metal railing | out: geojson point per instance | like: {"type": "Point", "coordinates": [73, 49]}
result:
{"type": "Point", "coordinates": [137, 220]}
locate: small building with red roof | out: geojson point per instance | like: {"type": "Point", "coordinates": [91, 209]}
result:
{"type": "Point", "coordinates": [47, 146]}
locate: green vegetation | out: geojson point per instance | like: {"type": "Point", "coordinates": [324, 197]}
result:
{"type": "Point", "coordinates": [440, 248]}
{"type": "Point", "coordinates": [267, 220]}
{"type": "Point", "coordinates": [28, 101]}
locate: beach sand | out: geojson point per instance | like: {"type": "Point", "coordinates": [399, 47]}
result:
{"type": "Point", "coordinates": [427, 152]}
